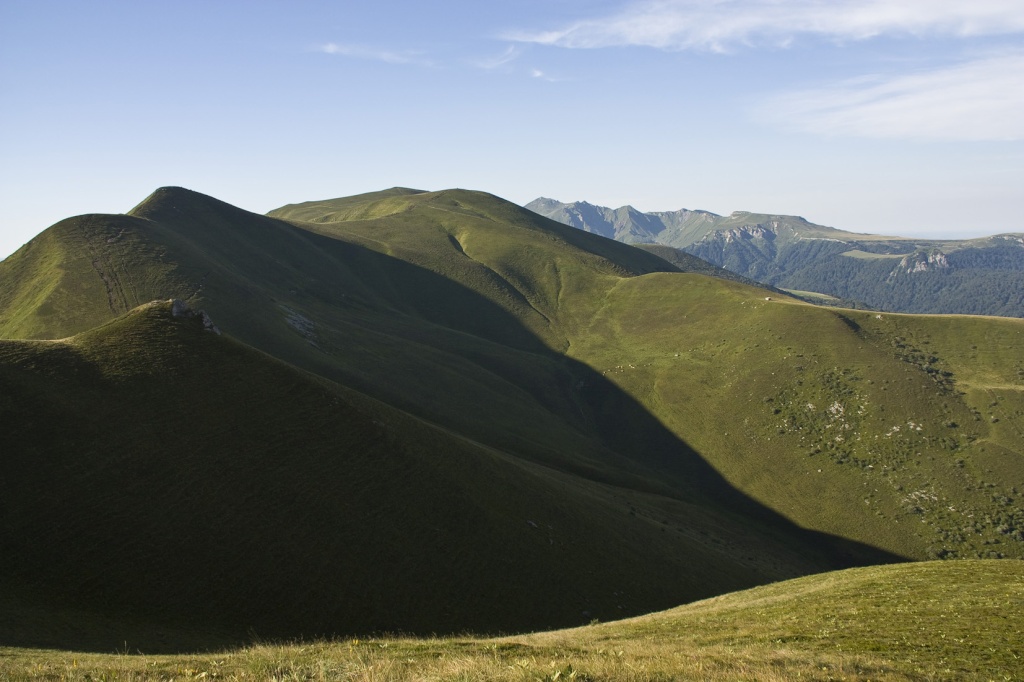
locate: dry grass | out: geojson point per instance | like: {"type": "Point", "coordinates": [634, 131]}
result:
{"type": "Point", "coordinates": [393, 660]}
{"type": "Point", "coordinates": [931, 621]}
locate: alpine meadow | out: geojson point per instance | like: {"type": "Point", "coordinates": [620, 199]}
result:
{"type": "Point", "coordinates": [436, 435]}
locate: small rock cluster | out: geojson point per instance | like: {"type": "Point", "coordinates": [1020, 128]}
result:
{"type": "Point", "coordinates": [181, 309]}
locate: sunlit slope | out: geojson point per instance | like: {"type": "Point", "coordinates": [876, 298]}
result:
{"type": "Point", "coordinates": [81, 272]}
{"type": "Point", "coordinates": [903, 431]}
{"type": "Point", "coordinates": [157, 472]}
{"type": "Point", "coordinates": [548, 275]}
{"type": "Point", "coordinates": [88, 269]}
{"type": "Point", "coordinates": [951, 620]}
{"type": "Point", "coordinates": [360, 206]}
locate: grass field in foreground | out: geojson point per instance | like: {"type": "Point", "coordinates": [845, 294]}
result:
{"type": "Point", "coordinates": [925, 621]}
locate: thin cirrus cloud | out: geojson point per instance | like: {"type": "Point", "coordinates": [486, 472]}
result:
{"type": "Point", "coordinates": [511, 53]}
{"type": "Point", "coordinates": [981, 98]}
{"type": "Point", "coordinates": [504, 63]}
{"type": "Point", "coordinates": [722, 25]}
{"type": "Point", "coordinates": [374, 54]}
{"type": "Point", "coordinates": [978, 100]}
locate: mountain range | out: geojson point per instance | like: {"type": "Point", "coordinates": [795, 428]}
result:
{"type": "Point", "coordinates": [439, 412]}
{"type": "Point", "coordinates": [983, 276]}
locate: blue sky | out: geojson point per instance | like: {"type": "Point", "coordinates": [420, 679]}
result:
{"type": "Point", "coordinates": [887, 116]}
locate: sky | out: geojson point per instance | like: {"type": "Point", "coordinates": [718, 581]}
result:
{"type": "Point", "coordinates": [897, 117]}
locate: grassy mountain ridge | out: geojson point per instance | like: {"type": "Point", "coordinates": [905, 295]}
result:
{"type": "Point", "coordinates": [368, 321]}
{"type": "Point", "coordinates": [669, 425]}
{"type": "Point", "coordinates": [965, 276]}
{"type": "Point", "coordinates": [361, 206]}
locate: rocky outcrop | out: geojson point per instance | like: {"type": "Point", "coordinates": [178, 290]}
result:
{"type": "Point", "coordinates": [750, 232]}
{"type": "Point", "coordinates": [921, 261]}
{"type": "Point", "coordinates": [305, 327]}
{"type": "Point", "coordinates": [181, 309]}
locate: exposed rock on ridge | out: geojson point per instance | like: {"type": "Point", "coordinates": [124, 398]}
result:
{"type": "Point", "coordinates": [181, 309]}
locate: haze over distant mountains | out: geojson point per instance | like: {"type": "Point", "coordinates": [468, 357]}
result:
{"type": "Point", "coordinates": [971, 276]}
{"type": "Point", "coordinates": [434, 412]}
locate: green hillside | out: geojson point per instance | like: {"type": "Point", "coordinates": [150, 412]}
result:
{"type": "Point", "coordinates": [937, 620]}
{"type": "Point", "coordinates": [556, 403]}
{"type": "Point", "coordinates": [913, 421]}
{"type": "Point", "coordinates": [771, 392]}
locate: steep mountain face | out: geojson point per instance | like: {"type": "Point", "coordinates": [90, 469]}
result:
{"type": "Point", "coordinates": [978, 276]}
{"type": "Point", "coordinates": [407, 377]}
{"type": "Point", "coordinates": [626, 224]}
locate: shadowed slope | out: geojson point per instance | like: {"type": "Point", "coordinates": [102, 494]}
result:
{"type": "Point", "coordinates": [155, 471]}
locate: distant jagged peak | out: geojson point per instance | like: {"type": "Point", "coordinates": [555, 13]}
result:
{"type": "Point", "coordinates": [544, 202]}
{"type": "Point", "coordinates": [685, 226]}
{"type": "Point", "coordinates": [687, 212]}
{"type": "Point", "coordinates": [774, 220]}
{"type": "Point", "coordinates": [767, 216]}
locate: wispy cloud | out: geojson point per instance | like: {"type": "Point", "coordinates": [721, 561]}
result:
{"type": "Point", "coordinates": [505, 63]}
{"type": "Point", "coordinates": [978, 100]}
{"type": "Point", "coordinates": [375, 54]}
{"type": "Point", "coordinates": [542, 75]}
{"type": "Point", "coordinates": [509, 55]}
{"type": "Point", "coordinates": [721, 25]}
